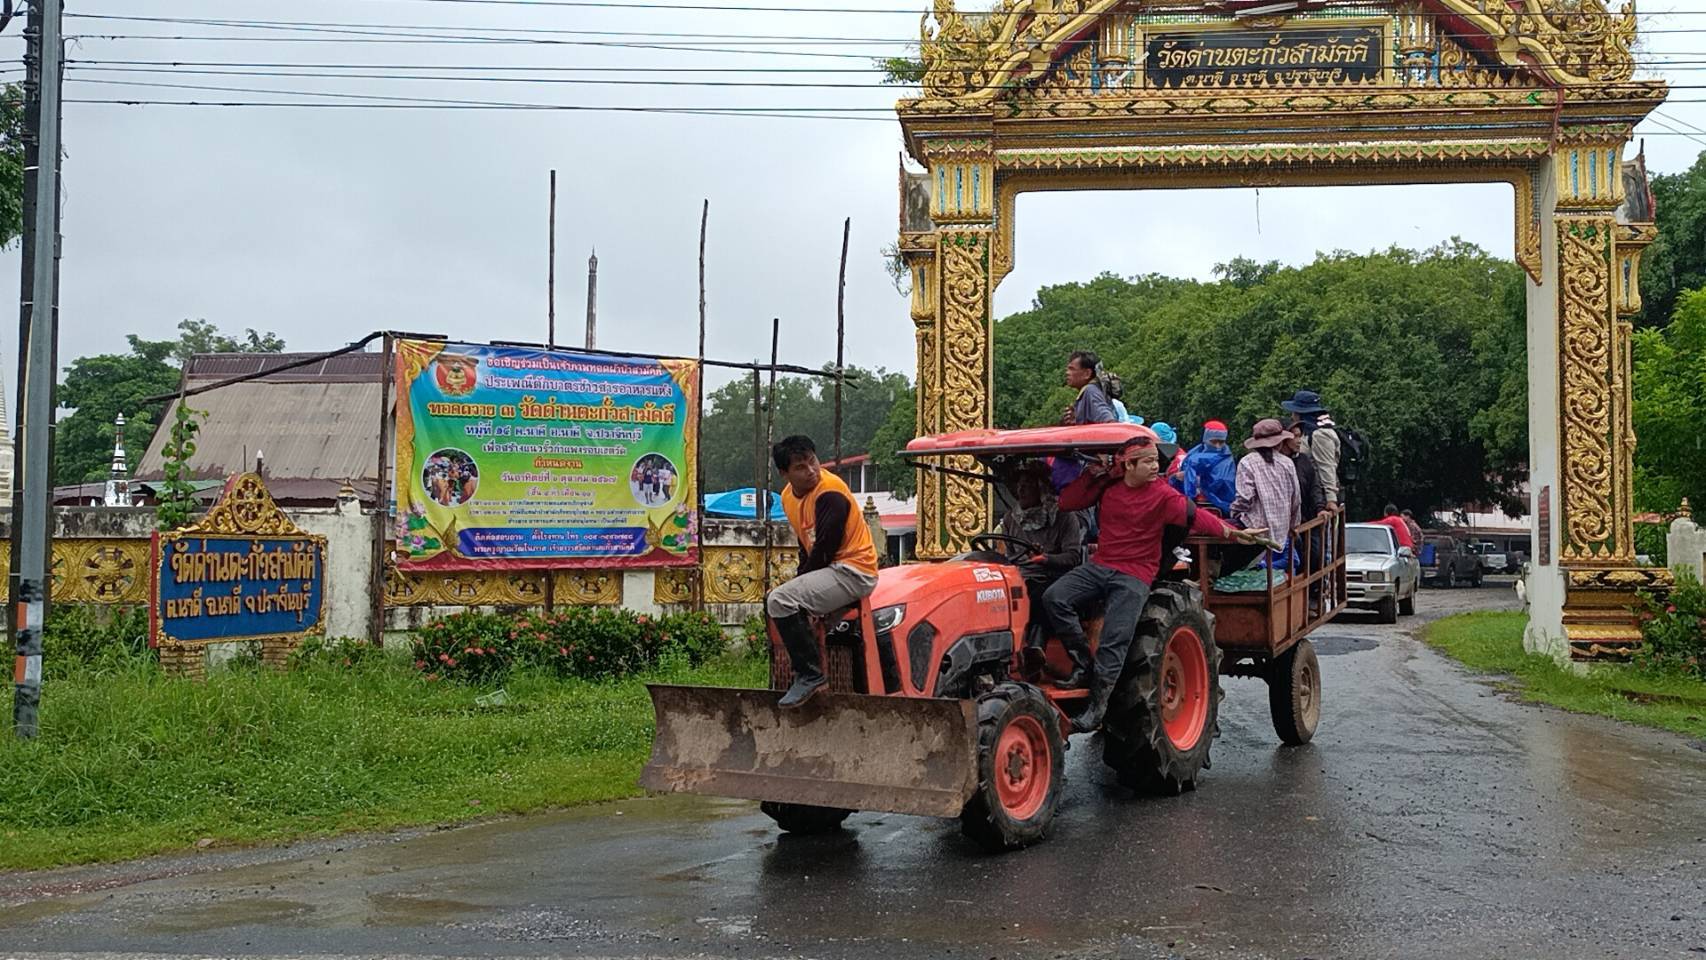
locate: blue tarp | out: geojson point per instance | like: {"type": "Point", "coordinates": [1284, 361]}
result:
{"type": "Point", "coordinates": [741, 504]}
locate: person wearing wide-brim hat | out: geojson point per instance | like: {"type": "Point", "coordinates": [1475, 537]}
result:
{"type": "Point", "coordinates": [1268, 492]}
{"type": "Point", "coordinates": [1323, 446]}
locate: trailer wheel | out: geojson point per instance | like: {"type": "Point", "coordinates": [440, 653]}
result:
{"type": "Point", "coordinates": [804, 818]}
{"type": "Point", "coordinates": [1164, 711]}
{"type": "Point", "coordinates": [1021, 763]}
{"type": "Point", "coordinates": [1294, 693]}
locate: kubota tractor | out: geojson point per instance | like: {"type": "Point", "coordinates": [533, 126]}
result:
{"type": "Point", "coordinates": [928, 711]}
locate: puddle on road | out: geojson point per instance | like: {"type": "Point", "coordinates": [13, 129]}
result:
{"type": "Point", "coordinates": [1336, 645]}
{"type": "Point", "coordinates": [227, 913]}
{"type": "Point", "coordinates": [403, 910]}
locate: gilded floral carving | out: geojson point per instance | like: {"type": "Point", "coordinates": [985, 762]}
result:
{"type": "Point", "coordinates": [1585, 347]}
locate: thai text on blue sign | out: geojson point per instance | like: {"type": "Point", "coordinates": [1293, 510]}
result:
{"type": "Point", "coordinates": [236, 588]}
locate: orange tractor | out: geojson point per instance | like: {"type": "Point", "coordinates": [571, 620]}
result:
{"type": "Point", "coordinates": [929, 711]}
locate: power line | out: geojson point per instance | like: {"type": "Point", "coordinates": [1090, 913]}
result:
{"type": "Point", "coordinates": [1679, 131]}
{"type": "Point", "coordinates": [484, 68]}
{"type": "Point", "coordinates": [76, 67]}
{"type": "Point", "coordinates": [682, 47]}
{"type": "Point", "coordinates": [386, 99]}
{"type": "Point", "coordinates": [310, 74]}
{"type": "Point", "coordinates": [407, 31]}
{"type": "Point", "coordinates": [1673, 65]}
{"type": "Point", "coordinates": [600, 81]}
{"type": "Point", "coordinates": [910, 11]}
{"type": "Point", "coordinates": [448, 101]}
{"type": "Point", "coordinates": [282, 24]}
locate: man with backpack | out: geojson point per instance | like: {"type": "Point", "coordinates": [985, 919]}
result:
{"type": "Point", "coordinates": [1324, 446]}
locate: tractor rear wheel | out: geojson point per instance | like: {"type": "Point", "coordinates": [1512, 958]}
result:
{"type": "Point", "coordinates": [1294, 693]}
{"type": "Point", "coordinates": [804, 818]}
{"type": "Point", "coordinates": [1164, 711]}
{"type": "Point", "coordinates": [1021, 764]}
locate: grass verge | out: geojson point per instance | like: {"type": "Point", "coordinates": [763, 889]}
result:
{"type": "Point", "coordinates": [130, 762]}
{"type": "Point", "coordinates": [1492, 643]}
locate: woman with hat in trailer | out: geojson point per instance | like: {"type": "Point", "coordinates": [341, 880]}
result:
{"type": "Point", "coordinates": [1268, 493]}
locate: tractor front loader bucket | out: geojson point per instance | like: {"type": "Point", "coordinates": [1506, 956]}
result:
{"type": "Point", "coordinates": [857, 752]}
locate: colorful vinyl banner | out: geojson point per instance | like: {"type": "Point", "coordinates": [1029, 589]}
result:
{"type": "Point", "coordinates": [516, 458]}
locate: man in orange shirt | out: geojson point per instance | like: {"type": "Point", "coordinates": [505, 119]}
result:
{"type": "Point", "coordinates": [838, 562]}
{"type": "Point", "coordinates": [1400, 529]}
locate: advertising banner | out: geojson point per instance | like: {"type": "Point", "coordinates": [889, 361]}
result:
{"type": "Point", "coordinates": [522, 458]}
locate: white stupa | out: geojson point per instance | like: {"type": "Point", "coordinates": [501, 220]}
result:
{"type": "Point", "coordinates": [118, 475]}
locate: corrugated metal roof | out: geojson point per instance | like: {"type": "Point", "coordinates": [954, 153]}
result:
{"type": "Point", "coordinates": [345, 368]}
{"type": "Point", "coordinates": [324, 429]}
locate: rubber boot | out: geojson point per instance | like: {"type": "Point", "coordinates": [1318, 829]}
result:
{"type": "Point", "coordinates": [796, 633]}
{"type": "Point", "coordinates": [1081, 675]}
{"type": "Point", "coordinates": [1091, 719]}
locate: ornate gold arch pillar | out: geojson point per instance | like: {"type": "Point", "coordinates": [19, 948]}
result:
{"type": "Point", "coordinates": [951, 309]}
{"type": "Point", "coordinates": [1596, 261]}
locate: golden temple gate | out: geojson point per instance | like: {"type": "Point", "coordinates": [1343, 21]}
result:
{"type": "Point", "coordinates": [1113, 94]}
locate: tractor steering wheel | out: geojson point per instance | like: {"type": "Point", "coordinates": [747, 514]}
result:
{"type": "Point", "coordinates": [1013, 550]}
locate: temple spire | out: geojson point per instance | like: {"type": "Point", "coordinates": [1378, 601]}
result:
{"type": "Point", "coordinates": [118, 475]}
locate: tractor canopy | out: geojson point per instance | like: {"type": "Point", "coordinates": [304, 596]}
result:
{"type": "Point", "coordinates": [1088, 439]}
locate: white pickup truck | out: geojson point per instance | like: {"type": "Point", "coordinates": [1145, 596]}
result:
{"type": "Point", "coordinates": [1492, 558]}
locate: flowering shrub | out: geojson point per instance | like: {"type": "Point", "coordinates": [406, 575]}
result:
{"type": "Point", "coordinates": [586, 642]}
{"type": "Point", "coordinates": [1674, 627]}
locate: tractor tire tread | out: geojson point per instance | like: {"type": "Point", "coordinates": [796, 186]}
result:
{"type": "Point", "coordinates": [1293, 730]}
{"type": "Point", "coordinates": [982, 820]}
{"type": "Point", "coordinates": [1135, 743]}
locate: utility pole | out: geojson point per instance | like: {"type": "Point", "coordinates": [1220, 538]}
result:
{"type": "Point", "coordinates": [592, 301]}
{"type": "Point", "coordinates": [38, 325]}
{"type": "Point", "coordinates": [551, 272]}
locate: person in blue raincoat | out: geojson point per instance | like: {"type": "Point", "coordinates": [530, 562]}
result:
{"type": "Point", "coordinates": [1209, 473]}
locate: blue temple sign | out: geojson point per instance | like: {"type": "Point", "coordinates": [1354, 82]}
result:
{"type": "Point", "coordinates": [243, 572]}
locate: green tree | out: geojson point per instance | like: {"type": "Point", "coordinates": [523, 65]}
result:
{"type": "Point", "coordinates": [1676, 262]}
{"type": "Point", "coordinates": [1669, 408]}
{"type": "Point", "coordinates": [11, 163]}
{"type": "Point", "coordinates": [803, 405]}
{"type": "Point", "coordinates": [98, 388]}
{"type": "Point", "coordinates": [896, 474]}
{"type": "Point", "coordinates": [900, 70]}
{"type": "Point", "coordinates": [199, 336]}
{"type": "Point", "coordinates": [1408, 348]}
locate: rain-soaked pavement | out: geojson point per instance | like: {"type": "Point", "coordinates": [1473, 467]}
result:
{"type": "Point", "coordinates": [1431, 817]}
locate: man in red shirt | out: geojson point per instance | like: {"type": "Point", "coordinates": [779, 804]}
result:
{"type": "Point", "coordinates": [1400, 529]}
{"type": "Point", "coordinates": [1136, 507]}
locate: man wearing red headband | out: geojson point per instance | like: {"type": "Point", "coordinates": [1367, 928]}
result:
{"type": "Point", "coordinates": [1137, 506]}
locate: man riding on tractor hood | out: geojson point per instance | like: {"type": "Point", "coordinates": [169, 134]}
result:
{"type": "Point", "coordinates": [838, 561]}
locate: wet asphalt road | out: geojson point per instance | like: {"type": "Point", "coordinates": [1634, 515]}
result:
{"type": "Point", "coordinates": [1431, 817]}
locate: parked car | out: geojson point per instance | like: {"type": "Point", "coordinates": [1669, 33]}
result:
{"type": "Point", "coordinates": [1448, 562]}
{"type": "Point", "coordinates": [1492, 558]}
{"type": "Point", "coordinates": [1379, 574]}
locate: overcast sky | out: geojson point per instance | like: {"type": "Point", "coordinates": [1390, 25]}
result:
{"type": "Point", "coordinates": [323, 224]}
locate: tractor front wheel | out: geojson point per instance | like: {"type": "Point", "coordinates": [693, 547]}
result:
{"type": "Point", "coordinates": [1164, 711]}
{"type": "Point", "coordinates": [1021, 763]}
{"type": "Point", "coordinates": [804, 818]}
{"type": "Point", "coordinates": [1294, 693]}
